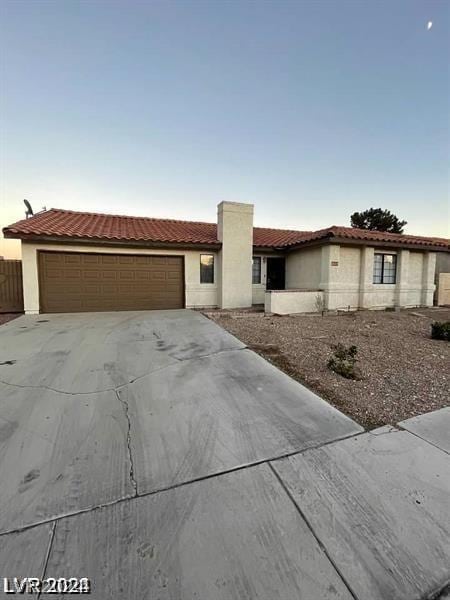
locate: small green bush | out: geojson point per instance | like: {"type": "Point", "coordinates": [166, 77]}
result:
{"type": "Point", "coordinates": [440, 331]}
{"type": "Point", "coordinates": [343, 361]}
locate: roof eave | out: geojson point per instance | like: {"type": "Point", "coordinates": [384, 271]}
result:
{"type": "Point", "coordinates": [376, 243]}
{"type": "Point", "coordinates": [268, 249]}
{"type": "Point", "coordinates": [114, 242]}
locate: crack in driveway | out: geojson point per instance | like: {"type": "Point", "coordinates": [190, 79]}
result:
{"type": "Point", "coordinates": [122, 385]}
{"type": "Point", "coordinates": [126, 409]}
{"type": "Point", "coordinates": [50, 389]}
{"type": "Point", "coordinates": [124, 403]}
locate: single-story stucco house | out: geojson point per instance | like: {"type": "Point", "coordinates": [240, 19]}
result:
{"type": "Point", "coordinates": [78, 261]}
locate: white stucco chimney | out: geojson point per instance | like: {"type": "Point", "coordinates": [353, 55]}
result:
{"type": "Point", "coordinates": [235, 231]}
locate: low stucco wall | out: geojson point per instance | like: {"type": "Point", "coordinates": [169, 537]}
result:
{"type": "Point", "coordinates": [197, 294]}
{"type": "Point", "coordinates": [285, 302]}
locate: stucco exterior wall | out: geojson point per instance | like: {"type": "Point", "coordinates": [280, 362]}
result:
{"type": "Point", "coordinates": [330, 268]}
{"type": "Point", "coordinates": [343, 287]}
{"type": "Point", "coordinates": [303, 268]}
{"type": "Point", "coordinates": [413, 283]}
{"type": "Point", "coordinates": [235, 231]}
{"type": "Point", "coordinates": [442, 278]}
{"type": "Point", "coordinates": [345, 275]}
{"type": "Point", "coordinates": [443, 295]}
{"type": "Point", "coordinates": [428, 275]}
{"type": "Point", "coordinates": [196, 294]}
{"type": "Point", "coordinates": [350, 281]}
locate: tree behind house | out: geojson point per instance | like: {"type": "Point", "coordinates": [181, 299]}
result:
{"type": "Point", "coordinates": [377, 219]}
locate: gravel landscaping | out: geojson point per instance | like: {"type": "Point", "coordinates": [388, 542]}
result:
{"type": "Point", "coordinates": [403, 371]}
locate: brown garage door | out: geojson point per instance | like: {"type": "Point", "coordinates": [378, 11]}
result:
{"type": "Point", "coordinates": [79, 282]}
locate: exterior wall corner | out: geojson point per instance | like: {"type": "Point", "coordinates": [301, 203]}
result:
{"type": "Point", "coordinates": [30, 279]}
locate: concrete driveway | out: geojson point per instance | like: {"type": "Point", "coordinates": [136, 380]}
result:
{"type": "Point", "coordinates": [155, 454]}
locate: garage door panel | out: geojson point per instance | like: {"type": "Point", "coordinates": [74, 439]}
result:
{"type": "Point", "coordinates": [85, 259]}
{"type": "Point", "coordinates": [158, 276]}
{"type": "Point", "coordinates": [160, 260]}
{"type": "Point", "coordinates": [54, 273]}
{"type": "Point", "coordinates": [142, 260]}
{"type": "Point", "coordinates": [76, 282]}
{"type": "Point", "coordinates": [142, 275]}
{"type": "Point", "coordinates": [71, 260]}
{"type": "Point", "coordinates": [91, 274]}
{"type": "Point", "coordinates": [107, 259]}
{"type": "Point", "coordinates": [126, 260]}
{"type": "Point", "coordinates": [109, 275]}
{"type": "Point", "coordinates": [126, 275]}
{"type": "Point", "coordinates": [69, 274]}
{"type": "Point", "coordinates": [55, 258]}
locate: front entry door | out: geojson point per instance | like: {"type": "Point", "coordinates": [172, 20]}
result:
{"type": "Point", "coordinates": [275, 273]}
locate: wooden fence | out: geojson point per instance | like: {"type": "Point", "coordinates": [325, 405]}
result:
{"type": "Point", "coordinates": [11, 292]}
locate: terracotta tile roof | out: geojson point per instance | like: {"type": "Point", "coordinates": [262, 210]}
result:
{"type": "Point", "coordinates": [277, 238]}
{"type": "Point", "coordinates": [58, 223]}
{"type": "Point", "coordinates": [351, 233]}
{"type": "Point", "coordinates": [67, 223]}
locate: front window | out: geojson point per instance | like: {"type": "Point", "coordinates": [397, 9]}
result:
{"type": "Point", "coordinates": [206, 268]}
{"type": "Point", "coordinates": [256, 269]}
{"type": "Point", "coordinates": [385, 268]}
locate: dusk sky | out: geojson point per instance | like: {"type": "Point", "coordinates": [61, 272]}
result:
{"type": "Point", "coordinates": [309, 110]}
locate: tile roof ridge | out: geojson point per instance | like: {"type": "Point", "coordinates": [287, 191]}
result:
{"type": "Point", "coordinates": [283, 230]}
{"type": "Point", "coordinates": [134, 217]}
{"type": "Point", "coordinates": [379, 232]}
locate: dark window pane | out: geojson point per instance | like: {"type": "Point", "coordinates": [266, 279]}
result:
{"type": "Point", "coordinates": [385, 268]}
{"type": "Point", "coordinates": [206, 268]}
{"type": "Point", "coordinates": [389, 268]}
{"type": "Point", "coordinates": [256, 269]}
{"type": "Point", "coordinates": [377, 268]}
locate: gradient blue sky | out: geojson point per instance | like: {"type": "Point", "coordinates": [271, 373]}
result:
{"type": "Point", "coordinates": [310, 110]}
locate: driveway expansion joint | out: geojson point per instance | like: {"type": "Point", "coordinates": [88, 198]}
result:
{"type": "Point", "coordinates": [47, 556]}
{"type": "Point", "coordinates": [167, 488]}
{"type": "Point", "coordinates": [310, 527]}
{"type": "Point", "coordinates": [423, 439]}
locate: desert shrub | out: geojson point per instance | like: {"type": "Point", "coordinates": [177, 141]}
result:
{"type": "Point", "coordinates": [440, 331]}
{"type": "Point", "coordinates": [319, 302]}
{"type": "Point", "coordinates": [343, 361]}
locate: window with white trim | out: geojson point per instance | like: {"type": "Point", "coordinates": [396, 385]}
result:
{"type": "Point", "coordinates": [256, 269]}
{"type": "Point", "coordinates": [385, 268]}
{"type": "Point", "coordinates": [206, 268]}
